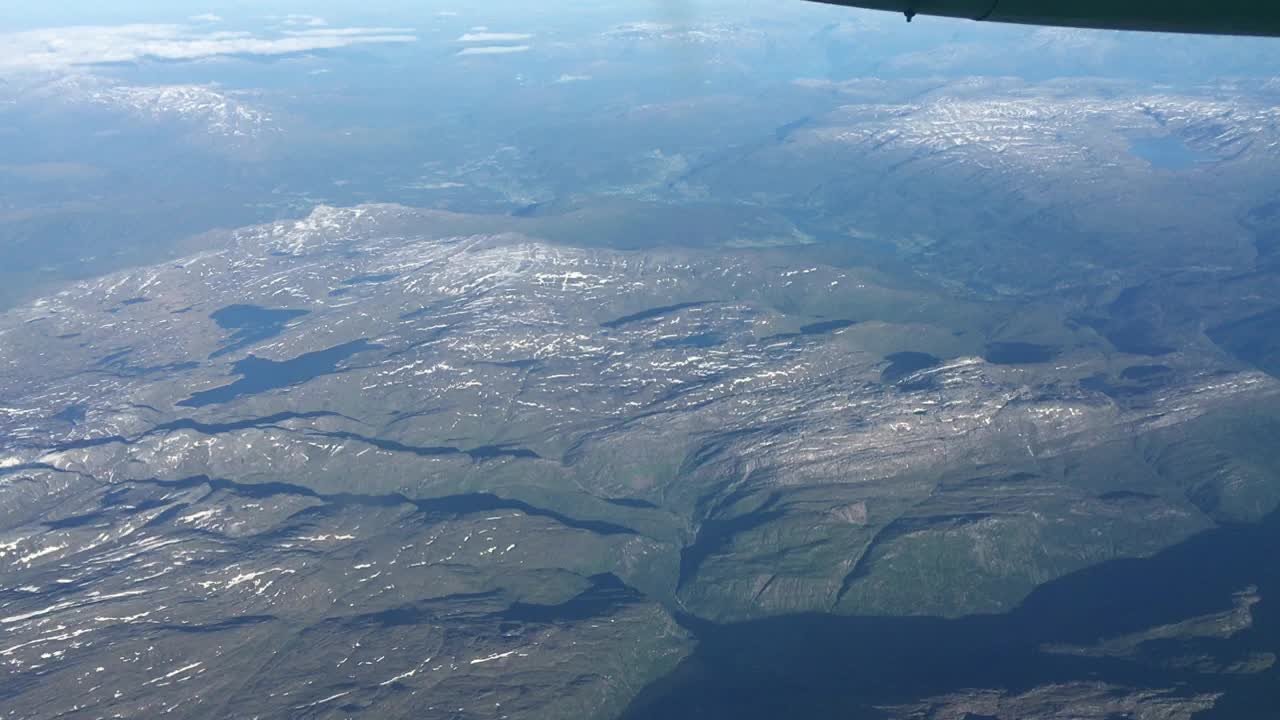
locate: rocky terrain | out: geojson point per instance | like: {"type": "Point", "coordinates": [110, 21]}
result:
{"type": "Point", "coordinates": [723, 367]}
{"type": "Point", "coordinates": [442, 458]}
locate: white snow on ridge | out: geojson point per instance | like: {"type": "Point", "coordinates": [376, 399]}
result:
{"type": "Point", "coordinates": [174, 673]}
{"type": "Point", "coordinates": [26, 559]}
{"type": "Point", "coordinates": [219, 112]}
{"type": "Point", "coordinates": [322, 701]}
{"type": "Point", "coordinates": [197, 516]}
{"type": "Point", "coordinates": [495, 656]}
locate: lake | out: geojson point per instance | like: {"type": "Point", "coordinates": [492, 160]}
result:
{"type": "Point", "coordinates": [823, 666]}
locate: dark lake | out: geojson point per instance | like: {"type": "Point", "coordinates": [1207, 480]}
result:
{"type": "Point", "coordinates": [821, 666]}
{"type": "Point", "coordinates": [259, 375]}
{"type": "Point", "coordinates": [902, 364]}
{"type": "Point", "coordinates": [251, 324]}
{"type": "Point", "coordinates": [1254, 340]}
{"type": "Point", "coordinates": [605, 593]}
{"type": "Point", "coordinates": [1167, 153]}
{"type": "Point", "coordinates": [817, 328]}
{"type": "Point", "coordinates": [651, 314]}
{"type": "Point", "coordinates": [826, 326]}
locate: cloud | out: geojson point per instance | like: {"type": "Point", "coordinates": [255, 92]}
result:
{"type": "Point", "coordinates": [205, 18]}
{"type": "Point", "coordinates": [481, 34]}
{"type": "Point", "coordinates": [567, 78]}
{"type": "Point", "coordinates": [491, 37]}
{"type": "Point", "coordinates": [494, 50]}
{"type": "Point", "coordinates": [308, 20]}
{"type": "Point", "coordinates": [349, 32]}
{"type": "Point", "coordinates": [68, 47]}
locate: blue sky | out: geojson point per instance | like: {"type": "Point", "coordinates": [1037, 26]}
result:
{"type": "Point", "coordinates": [935, 45]}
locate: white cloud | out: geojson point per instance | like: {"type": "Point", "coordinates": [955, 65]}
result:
{"type": "Point", "coordinates": [567, 78]}
{"type": "Point", "coordinates": [349, 32]}
{"type": "Point", "coordinates": [67, 47]}
{"type": "Point", "coordinates": [482, 35]}
{"type": "Point", "coordinates": [492, 37]}
{"type": "Point", "coordinates": [494, 50]}
{"type": "Point", "coordinates": [308, 20]}
{"type": "Point", "coordinates": [205, 18]}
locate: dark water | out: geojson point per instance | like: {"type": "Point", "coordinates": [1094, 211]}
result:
{"type": "Point", "coordinates": [819, 666]}
{"type": "Point", "coordinates": [114, 358]}
{"type": "Point", "coordinates": [1134, 336]}
{"type": "Point", "coordinates": [826, 326]}
{"type": "Point", "coordinates": [251, 324]}
{"type": "Point", "coordinates": [480, 453]}
{"type": "Point", "coordinates": [650, 314]}
{"type": "Point", "coordinates": [74, 521]}
{"type": "Point", "coordinates": [1139, 338]}
{"type": "Point", "coordinates": [631, 503]}
{"type": "Point", "coordinates": [1264, 221]}
{"type": "Point", "coordinates": [783, 132]}
{"type": "Point", "coordinates": [902, 364]}
{"type": "Point", "coordinates": [1167, 153]}
{"type": "Point", "coordinates": [259, 375]}
{"type": "Point", "coordinates": [370, 279]}
{"type": "Point", "coordinates": [489, 452]}
{"type": "Point", "coordinates": [701, 340]}
{"type": "Point", "coordinates": [818, 328]}
{"type": "Point", "coordinates": [1018, 353]}
{"type": "Point", "coordinates": [118, 363]}
{"type": "Point", "coordinates": [432, 508]}
{"type": "Point", "coordinates": [361, 280]}
{"type": "Point", "coordinates": [1254, 340]}
{"type": "Point", "coordinates": [171, 367]}
{"type": "Point", "coordinates": [1138, 321]}
{"type": "Point", "coordinates": [606, 593]}
{"type": "Point", "coordinates": [219, 428]}
{"type": "Point", "coordinates": [483, 452]}
{"type": "Point", "coordinates": [190, 424]}
{"type": "Point", "coordinates": [472, 503]}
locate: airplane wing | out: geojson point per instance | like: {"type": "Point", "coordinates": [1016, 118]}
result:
{"type": "Point", "coordinates": [1221, 17]}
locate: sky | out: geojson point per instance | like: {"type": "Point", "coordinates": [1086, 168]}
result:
{"type": "Point", "coordinates": [79, 33]}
